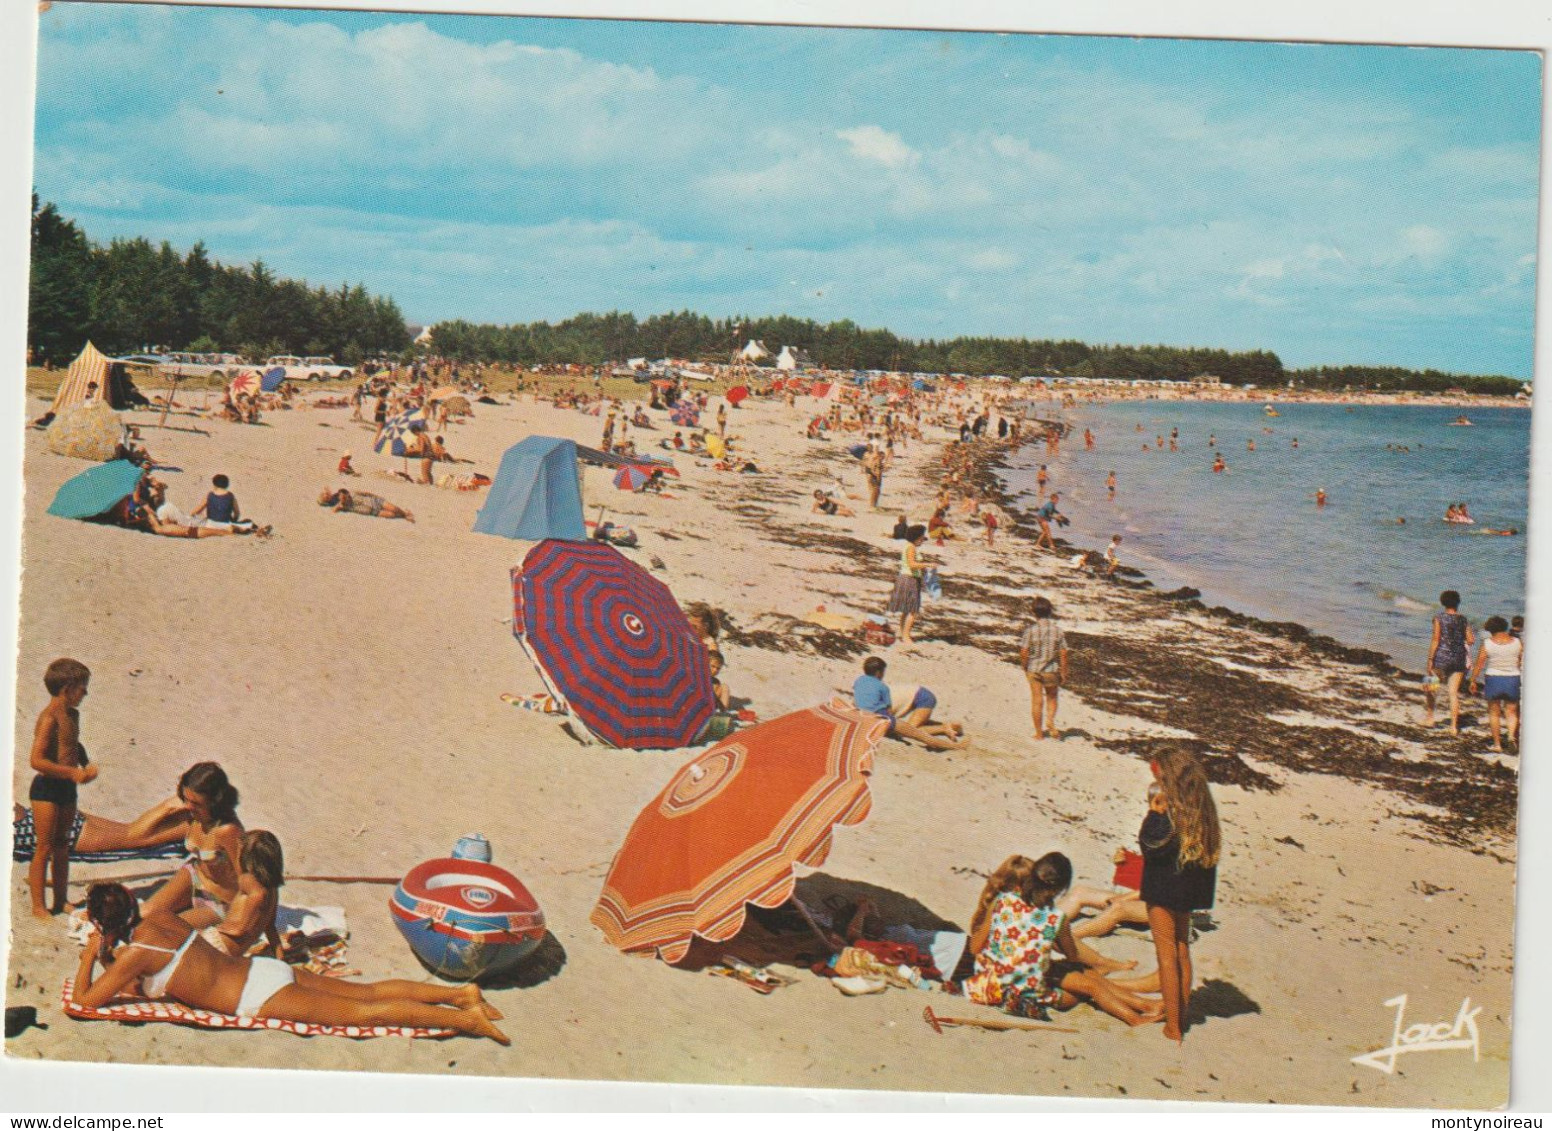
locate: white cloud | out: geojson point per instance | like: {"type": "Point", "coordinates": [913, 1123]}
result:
{"type": "Point", "coordinates": [873, 143]}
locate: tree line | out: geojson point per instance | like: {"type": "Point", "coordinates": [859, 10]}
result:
{"type": "Point", "coordinates": [130, 295]}
{"type": "Point", "coordinates": [599, 339]}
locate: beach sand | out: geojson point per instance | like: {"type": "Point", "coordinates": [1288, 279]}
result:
{"type": "Point", "coordinates": [347, 673]}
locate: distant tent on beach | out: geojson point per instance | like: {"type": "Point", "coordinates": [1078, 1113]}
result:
{"type": "Point", "coordinates": [537, 493]}
{"type": "Point", "coordinates": [93, 376]}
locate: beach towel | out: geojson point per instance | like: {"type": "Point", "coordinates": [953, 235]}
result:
{"type": "Point", "coordinates": [139, 1012]}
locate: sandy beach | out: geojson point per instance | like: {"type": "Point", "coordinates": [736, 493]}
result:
{"type": "Point", "coordinates": [347, 673]}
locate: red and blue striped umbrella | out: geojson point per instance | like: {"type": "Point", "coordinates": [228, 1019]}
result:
{"type": "Point", "coordinates": [612, 644]}
{"type": "Point", "coordinates": [685, 415]}
{"type": "Point", "coordinates": [632, 478]}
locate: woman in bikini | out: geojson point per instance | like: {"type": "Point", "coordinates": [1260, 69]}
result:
{"type": "Point", "coordinates": [169, 960]}
{"type": "Point", "coordinates": [166, 823]}
{"type": "Point", "coordinates": [204, 888]}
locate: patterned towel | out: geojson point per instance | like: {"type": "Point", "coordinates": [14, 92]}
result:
{"type": "Point", "coordinates": [139, 1012]}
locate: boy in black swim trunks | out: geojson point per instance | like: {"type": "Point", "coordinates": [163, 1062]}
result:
{"type": "Point", "coordinates": [60, 763]}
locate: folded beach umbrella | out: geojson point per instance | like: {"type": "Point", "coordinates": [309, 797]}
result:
{"type": "Point", "coordinates": [394, 438]}
{"type": "Point", "coordinates": [96, 490]}
{"type": "Point", "coordinates": [536, 493]}
{"type": "Point", "coordinates": [737, 394]}
{"type": "Point", "coordinates": [86, 430]}
{"type": "Point", "coordinates": [272, 378]}
{"type": "Point", "coordinates": [732, 825]}
{"type": "Point", "coordinates": [612, 644]}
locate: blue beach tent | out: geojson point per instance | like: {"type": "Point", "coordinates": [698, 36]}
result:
{"type": "Point", "coordinates": [536, 494]}
{"type": "Point", "coordinates": [96, 490]}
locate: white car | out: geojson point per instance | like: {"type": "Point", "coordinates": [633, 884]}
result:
{"type": "Point", "coordinates": [309, 368]}
{"type": "Point", "coordinates": [221, 366]}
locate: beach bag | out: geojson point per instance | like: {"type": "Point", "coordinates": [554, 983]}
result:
{"type": "Point", "coordinates": [931, 585]}
{"type": "Point", "coordinates": [1128, 873]}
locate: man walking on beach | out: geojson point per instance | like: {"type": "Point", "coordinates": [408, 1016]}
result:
{"type": "Point", "coordinates": [1043, 655]}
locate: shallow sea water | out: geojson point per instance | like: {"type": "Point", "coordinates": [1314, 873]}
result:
{"type": "Point", "coordinates": [1253, 538]}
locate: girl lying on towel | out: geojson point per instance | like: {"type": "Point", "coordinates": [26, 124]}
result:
{"type": "Point", "coordinates": [170, 960]}
{"type": "Point", "coordinates": [154, 834]}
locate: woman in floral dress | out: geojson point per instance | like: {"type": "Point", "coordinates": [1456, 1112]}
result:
{"type": "Point", "coordinates": [1016, 931]}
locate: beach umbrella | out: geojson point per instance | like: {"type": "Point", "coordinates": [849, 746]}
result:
{"type": "Point", "coordinates": [737, 394]}
{"type": "Point", "coordinates": [457, 406]}
{"type": "Point", "coordinates": [731, 826]}
{"type": "Point", "coordinates": [270, 381]}
{"type": "Point", "coordinates": [612, 644]}
{"type": "Point", "coordinates": [396, 432]}
{"type": "Point", "coordinates": [96, 490]}
{"type": "Point", "coordinates": [632, 478]}
{"type": "Point", "coordinates": [857, 451]}
{"type": "Point", "coordinates": [685, 416]}
{"type": "Point", "coordinates": [243, 385]}
{"type": "Point", "coordinates": [443, 393]}
{"type": "Point", "coordinates": [86, 430]}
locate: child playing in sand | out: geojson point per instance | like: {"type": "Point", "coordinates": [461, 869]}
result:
{"type": "Point", "coordinates": [1180, 845]}
{"type": "Point", "coordinates": [60, 763]}
{"type": "Point", "coordinates": [345, 467]}
{"type": "Point", "coordinates": [1016, 929]}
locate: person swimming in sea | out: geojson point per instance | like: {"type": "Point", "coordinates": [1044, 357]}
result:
{"type": "Point", "coordinates": [1218, 464]}
{"type": "Point", "coordinates": [1320, 496]}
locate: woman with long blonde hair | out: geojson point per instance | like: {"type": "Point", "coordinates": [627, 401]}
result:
{"type": "Point", "coordinates": [1180, 847]}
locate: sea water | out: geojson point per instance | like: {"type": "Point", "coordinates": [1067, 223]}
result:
{"type": "Point", "coordinates": [1252, 537]}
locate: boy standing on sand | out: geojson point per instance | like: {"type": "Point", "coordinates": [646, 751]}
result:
{"type": "Point", "coordinates": [1043, 656]}
{"type": "Point", "coordinates": [61, 764]}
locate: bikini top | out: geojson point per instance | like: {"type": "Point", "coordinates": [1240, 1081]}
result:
{"type": "Point", "coordinates": [154, 986]}
{"type": "Point", "coordinates": [203, 855]}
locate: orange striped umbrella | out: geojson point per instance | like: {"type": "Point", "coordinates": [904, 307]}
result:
{"type": "Point", "coordinates": [731, 826]}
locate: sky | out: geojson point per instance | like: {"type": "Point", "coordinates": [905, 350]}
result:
{"type": "Point", "coordinates": [1335, 204]}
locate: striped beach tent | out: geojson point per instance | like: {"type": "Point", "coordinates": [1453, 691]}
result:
{"type": "Point", "coordinates": [86, 380]}
{"type": "Point", "coordinates": [732, 825]}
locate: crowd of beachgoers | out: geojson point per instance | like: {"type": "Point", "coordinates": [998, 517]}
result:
{"type": "Point", "coordinates": [207, 937]}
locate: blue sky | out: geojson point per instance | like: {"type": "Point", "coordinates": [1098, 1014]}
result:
{"type": "Point", "coordinates": [1334, 204]}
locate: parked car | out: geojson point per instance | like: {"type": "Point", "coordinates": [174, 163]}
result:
{"type": "Point", "coordinates": [221, 366]}
{"type": "Point", "coordinates": [309, 368]}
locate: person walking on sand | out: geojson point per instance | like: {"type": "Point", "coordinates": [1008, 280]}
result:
{"type": "Point", "coordinates": [60, 764]}
{"type": "Point", "coordinates": [905, 601]}
{"type": "Point", "coordinates": [873, 469]}
{"type": "Point", "coordinates": [1043, 656]}
{"type": "Point", "coordinates": [1448, 652]}
{"type": "Point", "coordinates": [1180, 843]}
{"type": "Point", "coordinates": [1499, 660]}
